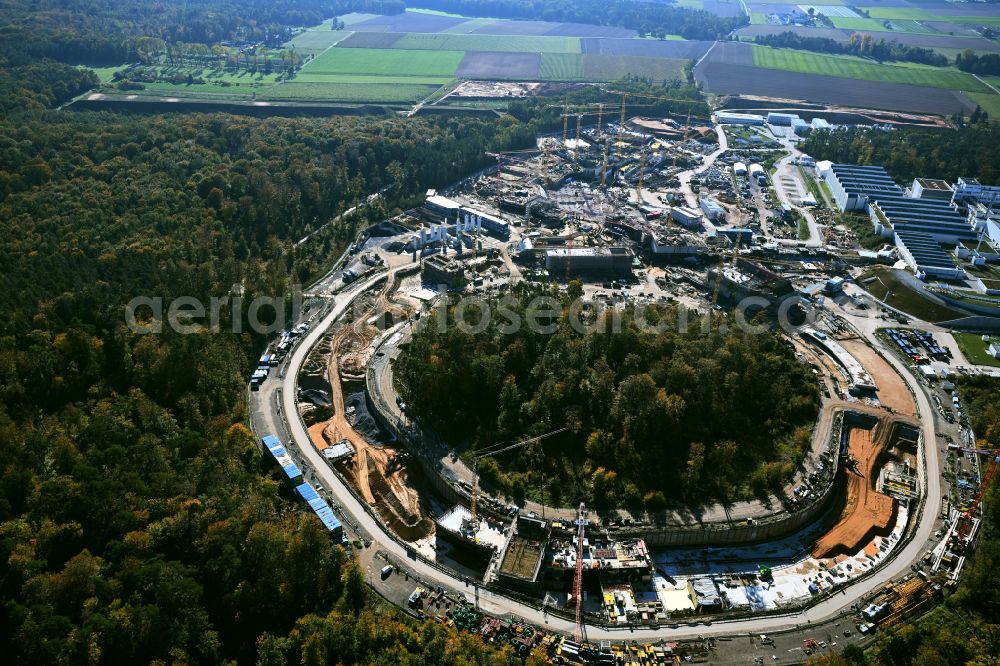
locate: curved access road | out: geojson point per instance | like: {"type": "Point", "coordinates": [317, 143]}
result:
{"type": "Point", "coordinates": [272, 417]}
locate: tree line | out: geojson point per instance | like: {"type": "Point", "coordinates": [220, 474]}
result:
{"type": "Point", "coordinates": [654, 418]}
{"type": "Point", "coordinates": [859, 44]}
{"type": "Point", "coordinates": [909, 153]}
{"type": "Point", "coordinates": [138, 521]}
{"type": "Point", "coordinates": [108, 32]}
{"type": "Point", "coordinates": [987, 63]}
{"type": "Point", "coordinates": [647, 18]}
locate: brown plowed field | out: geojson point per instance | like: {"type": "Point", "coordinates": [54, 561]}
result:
{"type": "Point", "coordinates": [729, 70]}
{"type": "Point", "coordinates": [892, 390]}
{"type": "Point", "coordinates": [868, 513]}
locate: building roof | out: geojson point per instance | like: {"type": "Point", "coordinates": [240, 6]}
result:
{"type": "Point", "coordinates": [924, 249]}
{"type": "Point", "coordinates": [319, 507]}
{"type": "Point", "coordinates": [443, 202]}
{"type": "Point", "coordinates": [705, 592]}
{"type": "Point", "coordinates": [934, 184]}
{"type": "Point", "coordinates": [587, 252]}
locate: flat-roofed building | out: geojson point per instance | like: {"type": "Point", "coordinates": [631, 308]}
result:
{"type": "Point", "coordinates": [923, 253]}
{"type": "Point", "coordinates": [582, 261]}
{"type": "Point", "coordinates": [687, 217]}
{"type": "Point", "coordinates": [937, 217]}
{"type": "Point", "coordinates": [969, 190]}
{"type": "Point", "coordinates": [852, 185]}
{"type": "Point", "coordinates": [731, 118]}
{"type": "Point", "coordinates": [931, 188]}
{"type": "Point", "coordinates": [439, 269]}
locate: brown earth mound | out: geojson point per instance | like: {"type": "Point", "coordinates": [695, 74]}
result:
{"type": "Point", "coordinates": [868, 513]}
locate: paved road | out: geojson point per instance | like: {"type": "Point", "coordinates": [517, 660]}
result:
{"type": "Point", "coordinates": [270, 419]}
{"type": "Point", "coordinates": [786, 166]}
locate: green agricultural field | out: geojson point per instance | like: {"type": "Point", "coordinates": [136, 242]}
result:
{"type": "Point", "coordinates": [923, 15]}
{"type": "Point", "coordinates": [469, 26]}
{"type": "Point", "coordinates": [849, 23]}
{"type": "Point", "coordinates": [901, 13]}
{"type": "Point", "coordinates": [612, 68]}
{"type": "Point", "coordinates": [909, 25]}
{"type": "Point", "coordinates": [858, 68]}
{"type": "Point", "coordinates": [561, 67]}
{"type": "Point", "coordinates": [988, 102]}
{"type": "Point", "coordinates": [971, 20]}
{"type": "Point", "coordinates": [493, 43]}
{"type": "Point", "coordinates": [371, 78]}
{"type": "Point", "coordinates": [349, 92]}
{"type": "Point", "coordinates": [315, 41]}
{"type": "Point", "coordinates": [758, 18]}
{"type": "Point", "coordinates": [387, 62]}
{"type": "Point", "coordinates": [105, 74]}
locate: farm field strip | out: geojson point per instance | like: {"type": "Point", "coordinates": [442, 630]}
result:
{"type": "Point", "coordinates": [857, 68]}
{"type": "Point", "coordinates": [349, 92]}
{"type": "Point", "coordinates": [561, 67]}
{"type": "Point", "coordinates": [911, 26]}
{"type": "Point", "coordinates": [371, 78]}
{"type": "Point", "coordinates": [611, 68]}
{"type": "Point", "coordinates": [388, 62]}
{"type": "Point", "coordinates": [988, 102]}
{"type": "Point", "coordinates": [317, 41]}
{"type": "Point", "coordinates": [489, 43]}
{"type": "Point", "coordinates": [848, 23]}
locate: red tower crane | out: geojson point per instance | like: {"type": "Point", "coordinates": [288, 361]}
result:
{"type": "Point", "coordinates": [581, 522]}
{"type": "Point", "coordinates": [965, 522]}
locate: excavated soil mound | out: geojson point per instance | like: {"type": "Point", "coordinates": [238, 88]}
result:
{"type": "Point", "coordinates": [868, 513]}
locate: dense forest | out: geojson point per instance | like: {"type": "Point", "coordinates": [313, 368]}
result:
{"type": "Point", "coordinates": [107, 31]}
{"type": "Point", "coordinates": [653, 417]}
{"type": "Point", "coordinates": [648, 18]}
{"type": "Point", "coordinates": [909, 153]}
{"type": "Point", "coordinates": [859, 44]}
{"type": "Point", "coordinates": [965, 629]}
{"type": "Point", "coordinates": [138, 522]}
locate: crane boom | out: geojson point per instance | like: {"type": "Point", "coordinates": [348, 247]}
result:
{"type": "Point", "coordinates": [578, 575]}
{"type": "Point", "coordinates": [494, 451]}
{"type": "Point", "coordinates": [965, 521]}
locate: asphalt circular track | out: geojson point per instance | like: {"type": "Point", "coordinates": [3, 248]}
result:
{"type": "Point", "coordinates": [282, 411]}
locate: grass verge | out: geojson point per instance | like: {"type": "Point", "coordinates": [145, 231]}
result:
{"type": "Point", "coordinates": [974, 349]}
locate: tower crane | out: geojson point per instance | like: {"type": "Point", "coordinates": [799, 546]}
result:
{"type": "Point", "coordinates": [642, 173]}
{"type": "Point", "coordinates": [494, 451]}
{"type": "Point", "coordinates": [625, 95]}
{"type": "Point", "coordinates": [581, 522]}
{"type": "Point", "coordinates": [604, 166]}
{"type": "Point", "coordinates": [965, 521]}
